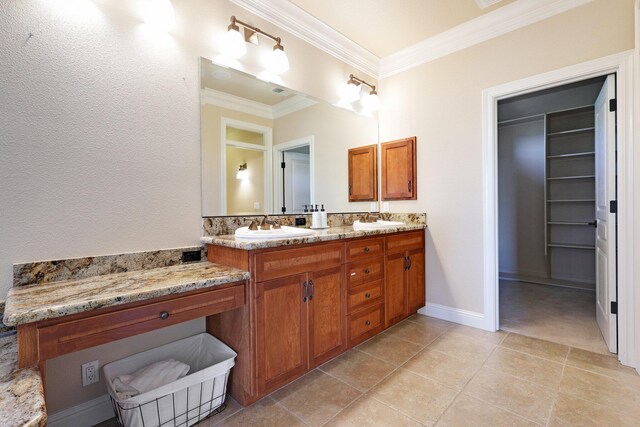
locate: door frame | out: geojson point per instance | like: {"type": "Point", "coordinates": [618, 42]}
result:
{"type": "Point", "coordinates": [623, 65]}
{"type": "Point", "coordinates": [277, 172]}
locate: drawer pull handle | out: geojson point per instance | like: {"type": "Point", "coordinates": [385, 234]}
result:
{"type": "Point", "coordinates": [366, 271]}
{"type": "Point", "coordinates": [367, 295]}
{"type": "Point", "coordinates": [366, 249]}
{"type": "Point", "coordinates": [164, 315]}
{"type": "Point", "coordinates": [368, 323]}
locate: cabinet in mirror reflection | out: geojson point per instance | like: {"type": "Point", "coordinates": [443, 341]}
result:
{"type": "Point", "coordinates": [250, 129]}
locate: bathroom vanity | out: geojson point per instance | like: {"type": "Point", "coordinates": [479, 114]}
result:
{"type": "Point", "coordinates": [312, 298]}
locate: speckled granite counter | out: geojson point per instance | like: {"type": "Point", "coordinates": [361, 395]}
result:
{"type": "Point", "coordinates": [21, 393]}
{"type": "Point", "coordinates": [32, 303]}
{"type": "Point", "coordinates": [333, 233]}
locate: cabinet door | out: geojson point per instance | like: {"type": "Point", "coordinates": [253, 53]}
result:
{"type": "Point", "coordinates": [327, 333]}
{"type": "Point", "coordinates": [415, 281]}
{"type": "Point", "coordinates": [363, 173]}
{"type": "Point", "coordinates": [395, 288]}
{"type": "Point", "coordinates": [399, 170]}
{"type": "Point", "coordinates": [281, 317]}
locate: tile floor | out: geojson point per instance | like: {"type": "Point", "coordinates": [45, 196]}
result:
{"type": "Point", "coordinates": [426, 371]}
{"type": "Point", "coordinates": [551, 313]}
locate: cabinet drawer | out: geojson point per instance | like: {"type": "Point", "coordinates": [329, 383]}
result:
{"type": "Point", "coordinates": [365, 271]}
{"type": "Point", "coordinates": [405, 241]}
{"type": "Point", "coordinates": [74, 335]}
{"type": "Point", "coordinates": [364, 295]}
{"type": "Point", "coordinates": [282, 263]}
{"type": "Point", "coordinates": [365, 248]}
{"type": "Point", "coordinates": [365, 324]}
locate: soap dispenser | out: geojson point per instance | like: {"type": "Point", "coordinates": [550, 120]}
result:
{"type": "Point", "coordinates": [316, 221]}
{"type": "Point", "coordinates": [323, 218]}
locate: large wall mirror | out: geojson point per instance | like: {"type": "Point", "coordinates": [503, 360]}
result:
{"type": "Point", "coordinates": [250, 128]}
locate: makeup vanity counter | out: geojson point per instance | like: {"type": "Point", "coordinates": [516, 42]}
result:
{"type": "Point", "coordinates": [312, 298]}
{"type": "Point", "coordinates": [61, 317]}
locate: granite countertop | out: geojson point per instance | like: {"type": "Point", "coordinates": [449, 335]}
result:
{"type": "Point", "coordinates": [21, 392]}
{"type": "Point", "coordinates": [333, 233]}
{"type": "Point", "coordinates": [32, 303]}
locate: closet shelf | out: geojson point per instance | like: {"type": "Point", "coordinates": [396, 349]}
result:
{"type": "Point", "coordinates": [569, 155]}
{"type": "Point", "coordinates": [572, 201]}
{"type": "Point", "coordinates": [560, 178]}
{"type": "Point", "coordinates": [572, 131]}
{"type": "Point", "coordinates": [569, 246]}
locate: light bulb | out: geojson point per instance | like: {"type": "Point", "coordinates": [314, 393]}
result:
{"type": "Point", "coordinates": [351, 92]}
{"type": "Point", "coordinates": [233, 44]}
{"type": "Point", "coordinates": [160, 14]}
{"type": "Point", "coordinates": [277, 61]}
{"type": "Point", "coordinates": [242, 174]}
{"type": "Point", "coordinates": [371, 102]}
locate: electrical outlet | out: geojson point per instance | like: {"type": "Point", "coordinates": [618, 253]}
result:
{"type": "Point", "coordinates": [191, 256]}
{"type": "Point", "coordinates": [90, 373]}
{"type": "Point", "coordinates": [373, 206]}
{"type": "Point", "coordinates": [385, 206]}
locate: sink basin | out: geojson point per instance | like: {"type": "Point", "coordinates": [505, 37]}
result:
{"type": "Point", "coordinates": [379, 224]}
{"type": "Point", "coordinates": [282, 233]}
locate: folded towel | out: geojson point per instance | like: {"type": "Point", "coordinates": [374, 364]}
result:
{"type": "Point", "coordinates": [149, 378]}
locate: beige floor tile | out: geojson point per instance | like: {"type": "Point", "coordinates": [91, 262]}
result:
{"type": "Point", "coordinates": [477, 334]}
{"type": "Point", "coordinates": [443, 368]}
{"type": "Point", "coordinates": [265, 413]}
{"type": "Point", "coordinates": [468, 411]}
{"type": "Point", "coordinates": [422, 399]}
{"type": "Point", "coordinates": [430, 321]}
{"type": "Point", "coordinates": [358, 369]}
{"type": "Point", "coordinates": [457, 345]}
{"type": "Point", "coordinates": [415, 332]}
{"type": "Point", "coordinates": [367, 411]}
{"type": "Point", "coordinates": [601, 364]}
{"type": "Point", "coordinates": [390, 349]}
{"type": "Point", "coordinates": [536, 347]}
{"type": "Point", "coordinates": [571, 411]}
{"type": "Point", "coordinates": [540, 371]}
{"type": "Point", "coordinates": [521, 397]}
{"type": "Point", "coordinates": [619, 394]}
{"type": "Point", "coordinates": [233, 407]}
{"type": "Point", "coordinates": [316, 397]}
{"type": "Point", "coordinates": [562, 315]}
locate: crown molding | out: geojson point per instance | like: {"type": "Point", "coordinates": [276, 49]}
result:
{"type": "Point", "coordinates": [303, 25]}
{"type": "Point", "coordinates": [243, 105]}
{"type": "Point", "coordinates": [486, 3]}
{"type": "Point", "coordinates": [493, 24]}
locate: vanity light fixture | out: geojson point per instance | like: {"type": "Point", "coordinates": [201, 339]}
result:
{"type": "Point", "coordinates": [233, 45]}
{"type": "Point", "coordinates": [352, 93]}
{"type": "Point", "coordinates": [243, 173]}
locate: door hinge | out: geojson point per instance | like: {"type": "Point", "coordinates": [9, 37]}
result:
{"type": "Point", "coordinates": [613, 206]}
{"type": "Point", "coordinates": [282, 165]}
{"type": "Point", "coordinates": [614, 307]}
{"type": "Point", "coordinates": [613, 104]}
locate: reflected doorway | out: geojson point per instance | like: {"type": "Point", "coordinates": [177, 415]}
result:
{"type": "Point", "coordinates": [294, 176]}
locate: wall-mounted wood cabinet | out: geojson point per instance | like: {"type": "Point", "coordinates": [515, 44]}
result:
{"type": "Point", "coordinates": [363, 173]}
{"type": "Point", "coordinates": [399, 170]}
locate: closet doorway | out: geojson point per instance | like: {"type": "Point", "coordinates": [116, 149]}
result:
{"type": "Point", "coordinates": [556, 225]}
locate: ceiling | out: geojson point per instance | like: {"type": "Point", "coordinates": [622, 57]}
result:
{"type": "Point", "coordinates": [384, 27]}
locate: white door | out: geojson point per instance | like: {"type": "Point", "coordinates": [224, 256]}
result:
{"type": "Point", "coordinates": [297, 184]}
{"type": "Point", "coordinates": [605, 148]}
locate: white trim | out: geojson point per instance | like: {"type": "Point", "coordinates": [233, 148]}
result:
{"type": "Point", "coordinates": [622, 64]}
{"type": "Point", "coordinates": [277, 150]}
{"type": "Point", "coordinates": [485, 27]}
{"type": "Point", "coordinates": [291, 105]}
{"type": "Point", "coordinates": [482, 4]}
{"type": "Point", "coordinates": [457, 315]}
{"type": "Point", "coordinates": [258, 109]}
{"type": "Point", "coordinates": [266, 148]}
{"type": "Point", "coordinates": [303, 25]}
{"type": "Point", "coordinates": [85, 414]}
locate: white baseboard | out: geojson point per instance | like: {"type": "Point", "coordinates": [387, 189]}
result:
{"type": "Point", "coordinates": [85, 414]}
{"type": "Point", "coordinates": [456, 315]}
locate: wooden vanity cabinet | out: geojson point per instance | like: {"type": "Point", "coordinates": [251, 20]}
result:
{"type": "Point", "coordinates": [404, 266]}
{"type": "Point", "coordinates": [399, 170]}
{"type": "Point", "coordinates": [363, 173]}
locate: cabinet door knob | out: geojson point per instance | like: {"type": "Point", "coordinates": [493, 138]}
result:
{"type": "Point", "coordinates": [366, 271]}
{"type": "Point", "coordinates": [367, 295]}
{"type": "Point", "coordinates": [368, 323]}
{"type": "Point", "coordinates": [164, 315]}
{"type": "Point", "coordinates": [366, 249]}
